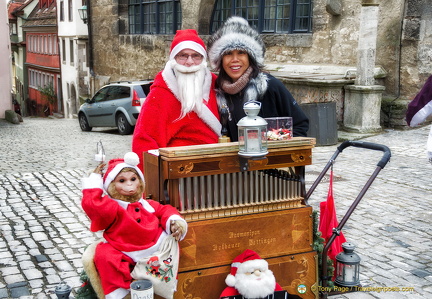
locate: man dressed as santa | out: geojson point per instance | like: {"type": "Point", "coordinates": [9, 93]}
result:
{"type": "Point", "coordinates": [250, 277]}
{"type": "Point", "coordinates": [181, 107]}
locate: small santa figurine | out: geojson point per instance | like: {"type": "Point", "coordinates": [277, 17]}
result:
{"type": "Point", "coordinates": [250, 277]}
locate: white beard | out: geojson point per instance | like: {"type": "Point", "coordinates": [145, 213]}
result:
{"type": "Point", "coordinates": [252, 286]}
{"type": "Point", "coordinates": [190, 81]}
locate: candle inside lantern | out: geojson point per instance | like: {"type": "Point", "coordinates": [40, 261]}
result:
{"type": "Point", "coordinates": [347, 266]}
{"type": "Point", "coordinates": [348, 273]}
{"type": "Point", "coordinates": [252, 142]}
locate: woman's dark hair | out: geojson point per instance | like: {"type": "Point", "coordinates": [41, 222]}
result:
{"type": "Point", "coordinates": [223, 76]}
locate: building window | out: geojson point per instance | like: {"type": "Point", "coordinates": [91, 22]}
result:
{"type": "Point", "coordinates": [39, 44]}
{"type": "Point", "coordinates": [154, 16]}
{"type": "Point", "coordinates": [61, 12]}
{"type": "Point", "coordinates": [70, 11]}
{"type": "Point", "coordinates": [29, 43]}
{"type": "Point", "coordinates": [63, 50]}
{"type": "Point", "coordinates": [13, 28]}
{"type": "Point", "coordinates": [30, 76]}
{"type": "Point", "coordinates": [35, 43]}
{"type": "Point", "coordinates": [71, 51]}
{"type": "Point", "coordinates": [55, 45]}
{"type": "Point", "coordinates": [272, 16]}
{"type": "Point", "coordinates": [50, 50]}
{"type": "Point", "coordinates": [45, 41]}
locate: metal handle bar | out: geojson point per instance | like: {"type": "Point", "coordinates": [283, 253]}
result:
{"type": "Point", "coordinates": [369, 145]}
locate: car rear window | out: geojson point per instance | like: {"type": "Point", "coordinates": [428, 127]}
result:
{"type": "Point", "coordinates": [146, 88]}
{"type": "Point", "coordinates": [118, 92]}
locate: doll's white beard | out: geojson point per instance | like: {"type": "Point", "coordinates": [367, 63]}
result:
{"type": "Point", "coordinates": [190, 81]}
{"type": "Point", "coordinates": [249, 287]}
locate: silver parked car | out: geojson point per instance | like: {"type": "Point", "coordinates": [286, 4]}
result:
{"type": "Point", "coordinates": [116, 104]}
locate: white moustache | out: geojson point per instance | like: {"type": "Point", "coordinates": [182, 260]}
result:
{"type": "Point", "coordinates": [188, 69]}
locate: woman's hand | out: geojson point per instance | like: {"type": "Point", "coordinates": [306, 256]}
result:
{"type": "Point", "coordinates": [177, 229]}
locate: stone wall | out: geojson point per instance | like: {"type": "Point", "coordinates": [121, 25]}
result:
{"type": "Point", "coordinates": [403, 44]}
{"type": "Point", "coordinates": [416, 46]}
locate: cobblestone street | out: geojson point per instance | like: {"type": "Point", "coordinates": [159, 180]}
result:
{"type": "Point", "coordinates": [43, 230]}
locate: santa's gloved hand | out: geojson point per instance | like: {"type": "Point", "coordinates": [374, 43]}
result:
{"type": "Point", "coordinates": [177, 229]}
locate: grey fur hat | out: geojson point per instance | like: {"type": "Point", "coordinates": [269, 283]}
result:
{"type": "Point", "coordinates": [235, 34]}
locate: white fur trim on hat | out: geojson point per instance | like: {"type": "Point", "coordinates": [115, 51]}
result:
{"type": "Point", "coordinates": [249, 266]}
{"type": "Point", "coordinates": [188, 45]}
{"type": "Point", "coordinates": [235, 34]}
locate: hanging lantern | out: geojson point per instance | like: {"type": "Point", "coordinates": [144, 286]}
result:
{"type": "Point", "coordinates": [347, 266]}
{"type": "Point", "coordinates": [83, 13]}
{"type": "Point", "coordinates": [252, 132]}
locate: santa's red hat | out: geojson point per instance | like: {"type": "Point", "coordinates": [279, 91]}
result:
{"type": "Point", "coordinates": [249, 260]}
{"type": "Point", "coordinates": [130, 160]}
{"type": "Point", "coordinates": [187, 39]}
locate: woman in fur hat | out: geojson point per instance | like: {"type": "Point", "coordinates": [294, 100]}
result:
{"type": "Point", "coordinates": [237, 52]}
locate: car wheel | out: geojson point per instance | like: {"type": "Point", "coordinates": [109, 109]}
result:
{"type": "Point", "coordinates": [84, 123]}
{"type": "Point", "coordinates": [123, 125]}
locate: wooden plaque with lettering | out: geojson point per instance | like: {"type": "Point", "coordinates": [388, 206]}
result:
{"type": "Point", "coordinates": [217, 242]}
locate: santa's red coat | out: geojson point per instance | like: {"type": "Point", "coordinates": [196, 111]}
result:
{"type": "Point", "coordinates": [158, 124]}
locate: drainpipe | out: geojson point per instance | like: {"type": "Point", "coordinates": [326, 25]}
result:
{"type": "Point", "coordinates": [90, 44]}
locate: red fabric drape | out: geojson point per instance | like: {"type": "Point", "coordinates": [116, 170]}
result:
{"type": "Point", "coordinates": [328, 221]}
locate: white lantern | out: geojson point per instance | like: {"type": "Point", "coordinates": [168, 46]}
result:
{"type": "Point", "coordinates": [252, 132]}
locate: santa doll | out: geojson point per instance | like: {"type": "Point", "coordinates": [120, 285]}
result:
{"type": "Point", "coordinates": [250, 277]}
{"type": "Point", "coordinates": [132, 226]}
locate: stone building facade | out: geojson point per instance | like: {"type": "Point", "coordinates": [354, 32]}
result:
{"type": "Point", "coordinates": [403, 45]}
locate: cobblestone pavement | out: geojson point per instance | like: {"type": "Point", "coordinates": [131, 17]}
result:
{"type": "Point", "coordinates": [44, 230]}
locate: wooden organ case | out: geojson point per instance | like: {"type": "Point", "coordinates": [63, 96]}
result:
{"type": "Point", "coordinates": [232, 204]}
